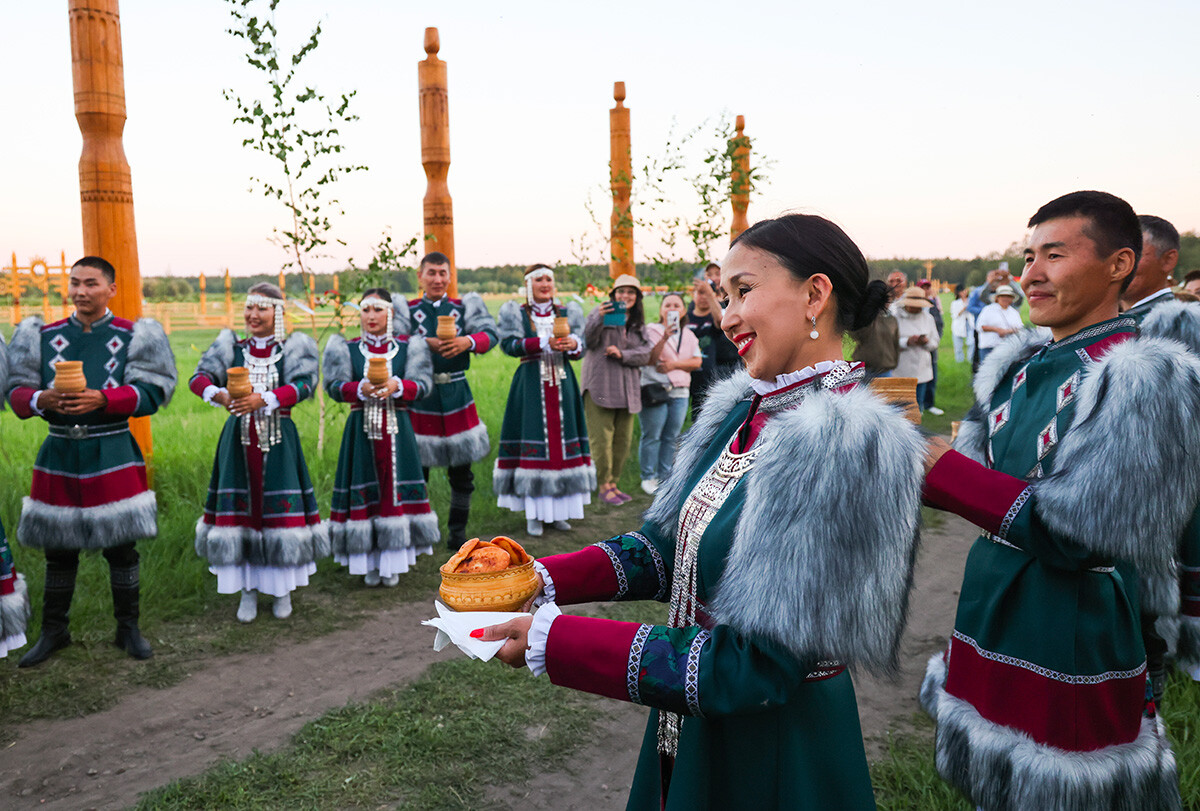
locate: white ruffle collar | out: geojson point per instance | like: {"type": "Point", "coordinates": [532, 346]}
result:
{"type": "Point", "coordinates": [765, 387]}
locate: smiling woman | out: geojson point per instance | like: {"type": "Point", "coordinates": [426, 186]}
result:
{"type": "Point", "coordinates": [778, 581]}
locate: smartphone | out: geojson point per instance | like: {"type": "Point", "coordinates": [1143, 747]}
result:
{"type": "Point", "coordinates": [617, 317]}
{"type": "Point", "coordinates": [673, 319]}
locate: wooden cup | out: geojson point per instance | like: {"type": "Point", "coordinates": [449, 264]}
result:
{"type": "Point", "coordinates": [901, 391]}
{"type": "Point", "coordinates": [238, 384]}
{"type": "Point", "coordinates": [378, 371]}
{"type": "Point", "coordinates": [68, 376]}
{"type": "Point", "coordinates": [561, 328]}
{"type": "Point", "coordinates": [447, 329]}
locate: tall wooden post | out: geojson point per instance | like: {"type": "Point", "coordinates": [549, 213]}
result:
{"type": "Point", "coordinates": [203, 298]}
{"type": "Point", "coordinates": [105, 188]}
{"type": "Point", "coordinates": [15, 285]}
{"type": "Point", "coordinates": [620, 170]}
{"type": "Point", "coordinates": [282, 284]}
{"type": "Point", "coordinates": [435, 154]}
{"type": "Point", "coordinates": [739, 179]}
{"type": "Point", "coordinates": [228, 299]}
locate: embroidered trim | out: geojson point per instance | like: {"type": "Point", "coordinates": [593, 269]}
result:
{"type": "Point", "coordinates": [1011, 515]}
{"type": "Point", "coordinates": [622, 579]}
{"type": "Point", "coordinates": [664, 585]}
{"type": "Point", "coordinates": [634, 667]}
{"type": "Point", "coordinates": [691, 676]}
{"type": "Point", "coordinates": [1118, 325]}
{"type": "Point", "coordinates": [1045, 672]}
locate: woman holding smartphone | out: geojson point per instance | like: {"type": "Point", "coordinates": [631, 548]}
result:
{"type": "Point", "coordinates": [666, 384]}
{"type": "Point", "coordinates": [612, 392]}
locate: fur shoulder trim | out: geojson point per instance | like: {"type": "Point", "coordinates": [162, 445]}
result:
{"type": "Point", "coordinates": [476, 317]}
{"type": "Point", "coordinates": [1133, 502]}
{"type": "Point", "coordinates": [335, 361]}
{"type": "Point", "coordinates": [401, 317]}
{"type": "Point", "coordinates": [150, 360]}
{"type": "Point", "coordinates": [418, 365]}
{"type": "Point", "coordinates": [300, 359]}
{"type": "Point", "coordinates": [1011, 351]}
{"type": "Point", "coordinates": [721, 399]}
{"type": "Point", "coordinates": [217, 359]}
{"type": "Point", "coordinates": [512, 320]}
{"type": "Point", "coordinates": [823, 555]}
{"type": "Point", "coordinates": [25, 355]}
{"type": "Point", "coordinates": [1178, 320]}
{"type": "Point", "coordinates": [575, 317]}
{"type": "Point", "coordinates": [972, 435]}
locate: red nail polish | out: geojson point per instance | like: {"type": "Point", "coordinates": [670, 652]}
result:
{"type": "Point", "coordinates": [477, 633]}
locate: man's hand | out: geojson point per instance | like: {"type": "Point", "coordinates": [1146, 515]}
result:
{"type": "Point", "coordinates": [935, 448]}
{"type": "Point", "coordinates": [50, 400]}
{"type": "Point", "coordinates": [80, 402]}
{"type": "Point", "coordinates": [455, 346]}
{"type": "Point", "coordinates": [244, 405]}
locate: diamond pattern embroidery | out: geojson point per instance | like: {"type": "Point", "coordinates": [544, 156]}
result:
{"type": "Point", "coordinates": [1047, 439]}
{"type": "Point", "coordinates": [59, 342]}
{"type": "Point", "coordinates": [110, 365]}
{"type": "Point", "coordinates": [1066, 392]}
{"type": "Point", "coordinates": [1083, 355]}
{"type": "Point", "coordinates": [999, 418]}
{"type": "Point", "coordinates": [1036, 473]}
{"type": "Point", "coordinates": [1018, 380]}
{"type": "Point", "coordinates": [110, 383]}
{"type": "Point", "coordinates": [114, 345]}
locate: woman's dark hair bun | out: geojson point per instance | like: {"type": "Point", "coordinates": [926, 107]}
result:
{"type": "Point", "coordinates": [874, 300]}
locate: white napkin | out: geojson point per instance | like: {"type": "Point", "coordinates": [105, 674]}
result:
{"type": "Point", "coordinates": [456, 627]}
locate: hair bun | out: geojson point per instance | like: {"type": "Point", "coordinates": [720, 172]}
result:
{"type": "Point", "coordinates": [873, 302]}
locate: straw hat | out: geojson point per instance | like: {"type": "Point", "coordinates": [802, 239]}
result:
{"type": "Point", "coordinates": [1004, 290]}
{"type": "Point", "coordinates": [915, 297]}
{"type": "Point", "coordinates": [626, 280]}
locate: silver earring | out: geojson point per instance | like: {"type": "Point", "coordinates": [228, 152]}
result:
{"type": "Point", "coordinates": [814, 334]}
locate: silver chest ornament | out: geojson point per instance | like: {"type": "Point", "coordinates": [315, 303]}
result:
{"type": "Point", "coordinates": [264, 377]}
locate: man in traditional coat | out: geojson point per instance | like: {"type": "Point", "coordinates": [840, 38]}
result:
{"type": "Point", "coordinates": [1040, 701]}
{"type": "Point", "coordinates": [1151, 284]}
{"type": "Point", "coordinates": [89, 481]}
{"type": "Point", "coordinates": [449, 432]}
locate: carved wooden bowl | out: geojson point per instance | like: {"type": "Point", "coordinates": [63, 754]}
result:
{"type": "Point", "coordinates": [238, 384]}
{"type": "Point", "coordinates": [505, 590]}
{"type": "Point", "coordinates": [901, 391]}
{"type": "Point", "coordinates": [68, 376]}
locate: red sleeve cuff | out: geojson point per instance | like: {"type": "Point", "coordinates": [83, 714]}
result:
{"type": "Point", "coordinates": [532, 346]}
{"type": "Point", "coordinates": [199, 383]}
{"type": "Point", "coordinates": [122, 400]}
{"type": "Point", "coordinates": [482, 342]}
{"type": "Point", "coordinates": [287, 396]}
{"type": "Point", "coordinates": [979, 494]}
{"type": "Point", "coordinates": [349, 391]}
{"type": "Point", "coordinates": [409, 390]}
{"type": "Point", "coordinates": [19, 399]}
{"type": "Point", "coordinates": [590, 654]}
{"type": "Point", "coordinates": [581, 577]}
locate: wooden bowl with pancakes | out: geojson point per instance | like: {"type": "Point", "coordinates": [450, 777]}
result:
{"type": "Point", "coordinates": [495, 575]}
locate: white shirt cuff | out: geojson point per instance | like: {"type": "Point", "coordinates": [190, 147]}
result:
{"type": "Point", "coordinates": [470, 338]}
{"type": "Point", "coordinates": [399, 392]}
{"type": "Point", "coordinates": [362, 388]}
{"type": "Point", "coordinates": [271, 400]}
{"type": "Point", "coordinates": [210, 391]}
{"type": "Point", "coordinates": [539, 632]}
{"type": "Point", "coordinates": [544, 343]}
{"type": "Point", "coordinates": [33, 406]}
{"type": "Point", "coordinates": [548, 594]}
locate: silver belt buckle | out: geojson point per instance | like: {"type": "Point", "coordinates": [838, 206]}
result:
{"type": "Point", "coordinates": [443, 377]}
{"type": "Point", "coordinates": [77, 431]}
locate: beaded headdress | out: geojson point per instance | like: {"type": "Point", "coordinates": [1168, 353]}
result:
{"type": "Point", "coordinates": [258, 299]}
{"type": "Point", "coordinates": [375, 301]}
{"type": "Point", "coordinates": [536, 273]}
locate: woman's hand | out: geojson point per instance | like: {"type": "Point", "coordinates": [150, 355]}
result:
{"type": "Point", "coordinates": [568, 344]}
{"type": "Point", "coordinates": [935, 449]}
{"type": "Point", "coordinates": [244, 405]}
{"type": "Point", "coordinates": [612, 352]}
{"type": "Point", "coordinates": [667, 365]}
{"type": "Point", "coordinates": [527, 607]}
{"type": "Point", "coordinates": [386, 390]}
{"type": "Point", "coordinates": [221, 398]}
{"type": "Point", "coordinates": [516, 631]}
{"type": "Point", "coordinates": [606, 306]}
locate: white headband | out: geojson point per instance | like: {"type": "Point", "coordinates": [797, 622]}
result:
{"type": "Point", "coordinates": [259, 300]}
{"type": "Point", "coordinates": [375, 301]}
{"type": "Point", "coordinates": [539, 272]}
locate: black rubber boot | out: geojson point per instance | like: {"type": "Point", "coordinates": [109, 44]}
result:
{"type": "Point", "coordinates": [462, 485]}
{"type": "Point", "coordinates": [56, 607]}
{"type": "Point", "coordinates": [125, 608]}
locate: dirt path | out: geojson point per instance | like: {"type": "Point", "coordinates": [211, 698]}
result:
{"type": "Point", "coordinates": [257, 701]}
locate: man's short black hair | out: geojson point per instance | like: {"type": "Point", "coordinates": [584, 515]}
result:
{"type": "Point", "coordinates": [1164, 235]}
{"type": "Point", "coordinates": [1112, 223]}
{"type": "Point", "coordinates": [98, 263]}
{"type": "Point", "coordinates": [434, 258]}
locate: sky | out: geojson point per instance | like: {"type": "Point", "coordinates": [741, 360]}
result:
{"type": "Point", "coordinates": [924, 128]}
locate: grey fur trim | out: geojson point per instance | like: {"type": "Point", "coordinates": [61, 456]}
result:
{"type": "Point", "coordinates": [460, 449]}
{"type": "Point", "coordinates": [575, 318]}
{"type": "Point", "coordinates": [25, 355]}
{"type": "Point", "coordinates": [1147, 390]}
{"type": "Point", "coordinates": [1159, 593]}
{"type": "Point", "coordinates": [721, 399]}
{"type": "Point", "coordinates": [1187, 641]}
{"type": "Point", "coordinates": [810, 567]}
{"type": "Point", "coordinates": [543, 483]}
{"type": "Point", "coordinates": [972, 435]}
{"type": "Point", "coordinates": [418, 366]}
{"type": "Point", "coordinates": [1178, 320]}
{"type": "Point", "coordinates": [511, 321]}
{"type": "Point", "coordinates": [933, 683]}
{"type": "Point", "coordinates": [3, 371]}
{"type": "Point", "coordinates": [216, 360]}
{"type": "Point", "coordinates": [1003, 769]}
{"type": "Point", "coordinates": [401, 318]}
{"type": "Point", "coordinates": [476, 317]}
{"type": "Point", "coordinates": [150, 360]}
{"type": "Point", "coordinates": [336, 368]}
{"type": "Point", "coordinates": [14, 610]}
{"type": "Point", "coordinates": [231, 546]}
{"type": "Point", "coordinates": [300, 359]}
{"type": "Point", "coordinates": [48, 526]}
{"type": "Point", "coordinates": [1009, 352]}
{"type": "Point", "coordinates": [393, 532]}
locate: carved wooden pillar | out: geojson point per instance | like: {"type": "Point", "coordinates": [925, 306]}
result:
{"type": "Point", "coordinates": [105, 188]}
{"type": "Point", "coordinates": [203, 298]}
{"type": "Point", "coordinates": [435, 154]}
{"type": "Point", "coordinates": [228, 299]}
{"type": "Point", "coordinates": [620, 168]}
{"type": "Point", "coordinates": [739, 179]}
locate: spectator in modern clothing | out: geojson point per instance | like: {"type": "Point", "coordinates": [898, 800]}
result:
{"type": "Point", "coordinates": [720, 357]}
{"type": "Point", "coordinates": [935, 310]}
{"type": "Point", "coordinates": [675, 357]}
{"type": "Point", "coordinates": [877, 345]}
{"type": "Point", "coordinates": [998, 320]}
{"type": "Point", "coordinates": [1191, 282]}
{"type": "Point", "coordinates": [962, 325]}
{"type": "Point", "coordinates": [984, 295]}
{"type": "Point", "coordinates": [918, 338]}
